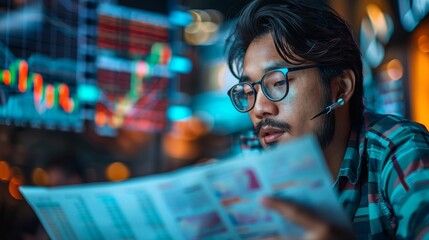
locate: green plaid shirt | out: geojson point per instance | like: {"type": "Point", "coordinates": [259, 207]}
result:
{"type": "Point", "coordinates": [383, 182]}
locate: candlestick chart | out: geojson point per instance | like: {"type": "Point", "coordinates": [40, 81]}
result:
{"type": "Point", "coordinates": [132, 69]}
{"type": "Point", "coordinates": [38, 67]}
{"type": "Point", "coordinates": [88, 60]}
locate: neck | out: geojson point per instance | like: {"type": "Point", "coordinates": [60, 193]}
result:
{"type": "Point", "coordinates": [334, 152]}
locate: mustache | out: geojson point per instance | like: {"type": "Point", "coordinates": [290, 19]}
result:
{"type": "Point", "coordinates": [273, 123]}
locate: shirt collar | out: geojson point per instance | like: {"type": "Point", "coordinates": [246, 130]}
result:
{"type": "Point", "coordinates": [353, 157]}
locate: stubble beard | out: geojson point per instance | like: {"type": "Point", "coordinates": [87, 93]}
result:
{"type": "Point", "coordinates": [324, 133]}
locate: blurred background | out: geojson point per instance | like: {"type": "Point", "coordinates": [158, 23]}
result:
{"type": "Point", "coordinates": [108, 90]}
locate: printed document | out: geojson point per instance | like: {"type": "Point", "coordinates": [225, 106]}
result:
{"type": "Point", "coordinates": [220, 200]}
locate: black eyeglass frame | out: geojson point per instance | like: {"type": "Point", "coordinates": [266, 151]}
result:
{"type": "Point", "coordinates": [285, 71]}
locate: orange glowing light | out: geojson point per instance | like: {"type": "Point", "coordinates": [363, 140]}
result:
{"type": "Point", "coordinates": [377, 18]}
{"type": "Point", "coordinates": [50, 96]}
{"type": "Point", "coordinates": [38, 88]}
{"type": "Point", "coordinates": [117, 171]}
{"type": "Point", "coordinates": [419, 84]}
{"type": "Point", "coordinates": [5, 171]}
{"type": "Point", "coordinates": [40, 177]}
{"type": "Point", "coordinates": [179, 148]}
{"type": "Point", "coordinates": [197, 126]}
{"type": "Point", "coordinates": [64, 93]}
{"type": "Point", "coordinates": [395, 70]}
{"type": "Point", "coordinates": [38, 83]}
{"type": "Point", "coordinates": [423, 43]}
{"type": "Point", "coordinates": [7, 77]}
{"type": "Point", "coordinates": [14, 184]}
{"type": "Point", "coordinates": [65, 102]}
{"type": "Point", "coordinates": [23, 76]}
{"type": "Point", "coordinates": [100, 118]}
{"type": "Point", "coordinates": [68, 105]}
{"type": "Point", "coordinates": [165, 54]}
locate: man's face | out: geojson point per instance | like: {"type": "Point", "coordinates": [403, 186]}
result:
{"type": "Point", "coordinates": [289, 118]}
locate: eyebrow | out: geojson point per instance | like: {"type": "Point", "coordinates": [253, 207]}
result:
{"type": "Point", "coordinates": [270, 67]}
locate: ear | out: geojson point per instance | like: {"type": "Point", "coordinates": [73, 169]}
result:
{"type": "Point", "coordinates": [344, 85]}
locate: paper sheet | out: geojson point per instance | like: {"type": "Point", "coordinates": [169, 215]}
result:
{"type": "Point", "coordinates": [214, 201]}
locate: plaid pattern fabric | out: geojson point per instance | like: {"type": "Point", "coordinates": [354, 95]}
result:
{"type": "Point", "coordinates": [383, 182]}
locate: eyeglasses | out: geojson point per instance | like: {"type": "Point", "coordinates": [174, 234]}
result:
{"type": "Point", "coordinates": [274, 85]}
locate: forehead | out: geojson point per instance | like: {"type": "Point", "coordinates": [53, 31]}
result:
{"type": "Point", "coordinates": [260, 55]}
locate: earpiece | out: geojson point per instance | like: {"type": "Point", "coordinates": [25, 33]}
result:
{"type": "Point", "coordinates": [328, 109]}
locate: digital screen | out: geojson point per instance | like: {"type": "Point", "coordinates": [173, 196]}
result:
{"type": "Point", "coordinates": [132, 69]}
{"type": "Point", "coordinates": [72, 61]}
{"type": "Point", "coordinates": [38, 64]}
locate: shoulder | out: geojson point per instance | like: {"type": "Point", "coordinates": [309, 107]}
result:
{"type": "Point", "coordinates": [391, 130]}
{"type": "Point", "coordinates": [394, 142]}
{"type": "Point", "coordinates": [398, 155]}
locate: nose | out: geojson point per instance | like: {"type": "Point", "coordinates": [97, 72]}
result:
{"type": "Point", "coordinates": [263, 106]}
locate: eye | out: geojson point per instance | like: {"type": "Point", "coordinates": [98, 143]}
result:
{"type": "Point", "coordinates": [280, 83]}
{"type": "Point", "coordinates": [249, 93]}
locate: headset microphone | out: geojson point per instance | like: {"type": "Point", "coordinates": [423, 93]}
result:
{"type": "Point", "coordinates": [331, 107]}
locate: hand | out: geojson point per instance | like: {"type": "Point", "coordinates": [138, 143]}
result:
{"type": "Point", "coordinates": [316, 228]}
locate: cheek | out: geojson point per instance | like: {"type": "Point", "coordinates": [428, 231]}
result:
{"type": "Point", "coordinates": [303, 99]}
{"type": "Point", "coordinates": [299, 107]}
{"type": "Point", "coordinates": [290, 105]}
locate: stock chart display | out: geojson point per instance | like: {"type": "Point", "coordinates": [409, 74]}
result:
{"type": "Point", "coordinates": [38, 64]}
{"type": "Point", "coordinates": [66, 62]}
{"type": "Point", "coordinates": [132, 68]}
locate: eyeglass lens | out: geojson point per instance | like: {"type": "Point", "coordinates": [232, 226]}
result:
{"type": "Point", "coordinates": [274, 86]}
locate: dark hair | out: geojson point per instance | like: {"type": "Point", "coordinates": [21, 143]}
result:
{"type": "Point", "coordinates": [302, 31]}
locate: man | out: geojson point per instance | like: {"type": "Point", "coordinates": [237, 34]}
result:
{"type": "Point", "coordinates": [300, 71]}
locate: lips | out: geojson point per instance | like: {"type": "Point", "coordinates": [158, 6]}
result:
{"type": "Point", "coordinates": [270, 134]}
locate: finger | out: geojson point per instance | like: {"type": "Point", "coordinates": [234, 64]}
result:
{"type": "Point", "coordinates": [295, 213]}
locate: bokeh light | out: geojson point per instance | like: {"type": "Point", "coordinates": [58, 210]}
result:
{"type": "Point", "coordinates": [179, 148]}
{"type": "Point", "coordinates": [100, 118]}
{"type": "Point", "coordinates": [5, 171]}
{"type": "Point", "coordinates": [196, 127]}
{"type": "Point", "coordinates": [117, 171]}
{"type": "Point", "coordinates": [40, 177]}
{"type": "Point", "coordinates": [378, 19]}
{"type": "Point", "coordinates": [394, 69]}
{"type": "Point", "coordinates": [423, 43]}
{"type": "Point", "coordinates": [204, 27]}
{"type": "Point", "coordinates": [14, 184]}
